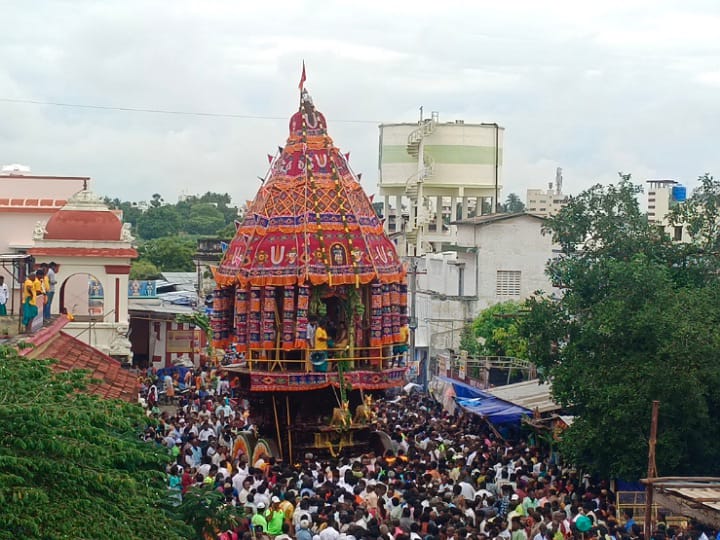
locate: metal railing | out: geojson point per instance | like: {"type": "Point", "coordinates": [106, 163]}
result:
{"type": "Point", "coordinates": [426, 128]}
{"type": "Point", "coordinates": [357, 359]}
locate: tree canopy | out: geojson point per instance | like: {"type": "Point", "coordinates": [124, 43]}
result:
{"type": "Point", "coordinates": [144, 269]}
{"type": "Point", "coordinates": [159, 221]}
{"type": "Point", "coordinates": [205, 215]}
{"type": "Point", "coordinates": [495, 332]}
{"type": "Point", "coordinates": [168, 254]}
{"type": "Point", "coordinates": [513, 204]}
{"type": "Point", "coordinates": [637, 321]}
{"type": "Point", "coordinates": [71, 464]}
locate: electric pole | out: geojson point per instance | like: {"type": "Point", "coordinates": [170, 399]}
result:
{"type": "Point", "coordinates": [652, 469]}
{"type": "Point", "coordinates": [413, 322]}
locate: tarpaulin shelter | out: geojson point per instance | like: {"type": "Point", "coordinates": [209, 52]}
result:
{"type": "Point", "coordinates": [480, 402]}
{"type": "Point", "coordinates": [495, 410]}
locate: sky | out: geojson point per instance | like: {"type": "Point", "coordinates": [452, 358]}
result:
{"type": "Point", "coordinates": [593, 87]}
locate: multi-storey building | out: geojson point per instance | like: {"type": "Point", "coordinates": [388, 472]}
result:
{"type": "Point", "coordinates": [662, 196]}
{"type": "Point", "coordinates": [547, 202]}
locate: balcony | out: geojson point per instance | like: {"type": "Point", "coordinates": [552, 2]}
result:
{"type": "Point", "coordinates": [367, 368]}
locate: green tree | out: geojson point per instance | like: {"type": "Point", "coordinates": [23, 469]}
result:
{"type": "Point", "coordinates": [144, 269]}
{"type": "Point", "coordinates": [183, 208]}
{"type": "Point", "coordinates": [468, 340]}
{"type": "Point", "coordinates": [130, 212]}
{"type": "Point", "coordinates": [497, 330]}
{"type": "Point", "coordinates": [159, 221]}
{"type": "Point", "coordinates": [205, 510]}
{"type": "Point", "coordinates": [204, 219]}
{"type": "Point", "coordinates": [71, 464]}
{"type": "Point", "coordinates": [227, 233]}
{"type": "Point", "coordinates": [701, 215]}
{"type": "Point", "coordinates": [169, 254]}
{"type": "Point", "coordinates": [630, 327]}
{"type": "Point", "coordinates": [513, 204]}
{"type": "Point", "coordinates": [223, 203]}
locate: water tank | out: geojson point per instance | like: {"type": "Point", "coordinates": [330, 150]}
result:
{"type": "Point", "coordinates": [679, 194]}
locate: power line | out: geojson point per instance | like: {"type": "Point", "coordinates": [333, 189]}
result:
{"type": "Point", "coordinates": [165, 111]}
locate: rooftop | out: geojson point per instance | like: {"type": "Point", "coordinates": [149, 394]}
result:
{"type": "Point", "coordinates": [528, 394]}
{"type": "Point", "coordinates": [71, 353]}
{"type": "Point", "coordinates": [492, 218]}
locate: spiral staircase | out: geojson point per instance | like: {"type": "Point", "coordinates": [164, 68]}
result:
{"type": "Point", "coordinates": [414, 182]}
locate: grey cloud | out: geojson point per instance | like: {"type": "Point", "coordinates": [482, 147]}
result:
{"type": "Point", "coordinates": [574, 87]}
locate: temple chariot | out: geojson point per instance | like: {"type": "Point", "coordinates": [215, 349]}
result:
{"type": "Point", "coordinates": [311, 250]}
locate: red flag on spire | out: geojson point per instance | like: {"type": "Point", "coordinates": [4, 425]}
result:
{"type": "Point", "coordinates": [303, 78]}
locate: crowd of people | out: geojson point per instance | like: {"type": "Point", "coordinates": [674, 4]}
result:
{"type": "Point", "coordinates": [446, 477]}
{"type": "Point", "coordinates": [39, 283]}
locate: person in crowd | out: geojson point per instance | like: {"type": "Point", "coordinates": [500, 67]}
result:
{"type": "Point", "coordinates": [319, 357]}
{"type": "Point", "coordinates": [51, 281]}
{"type": "Point", "coordinates": [443, 476]}
{"type": "Point", "coordinates": [29, 302]}
{"type": "Point", "coordinates": [400, 349]}
{"type": "Point", "coordinates": [4, 295]}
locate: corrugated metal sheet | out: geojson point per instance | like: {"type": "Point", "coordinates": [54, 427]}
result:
{"type": "Point", "coordinates": [700, 495]}
{"type": "Point", "coordinates": [528, 394]}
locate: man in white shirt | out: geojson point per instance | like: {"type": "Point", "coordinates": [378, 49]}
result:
{"type": "Point", "coordinates": [329, 532]}
{"type": "Point", "coordinates": [3, 296]}
{"type": "Point", "coordinates": [244, 490]}
{"type": "Point", "coordinates": [205, 432]}
{"type": "Point", "coordinates": [52, 280]}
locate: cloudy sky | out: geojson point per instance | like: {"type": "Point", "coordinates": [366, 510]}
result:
{"type": "Point", "coordinates": [594, 87]}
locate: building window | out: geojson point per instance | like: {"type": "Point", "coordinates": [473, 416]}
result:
{"type": "Point", "coordinates": [508, 283]}
{"type": "Point", "coordinates": [677, 233]}
{"type": "Point", "coordinates": [461, 281]}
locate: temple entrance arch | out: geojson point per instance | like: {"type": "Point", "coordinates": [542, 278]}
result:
{"type": "Point", "coordinates": [83, 295]}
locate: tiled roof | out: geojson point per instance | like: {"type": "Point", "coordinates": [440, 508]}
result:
{"type": "Point", "coordinates": [71, 353]}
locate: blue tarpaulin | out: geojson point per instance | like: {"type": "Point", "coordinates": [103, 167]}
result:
{"type": "Point", "coordinates": [494, 409]}
{"type": "Point", "coordinates": [464, 391]}
{"type": "Point", "coordinates": [481, 403]}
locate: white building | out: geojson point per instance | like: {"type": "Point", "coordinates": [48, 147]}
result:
{"type": "Point", "coordinates": [93, 249]}
{"type": "Point", "coordinates": [436, 173]}
{"type": "Point", "coordinates": [662, 196]}
{"type": "Point", "coordinates": [498, 257]}
{"type": "Point", "coordinates": [547, 202]}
